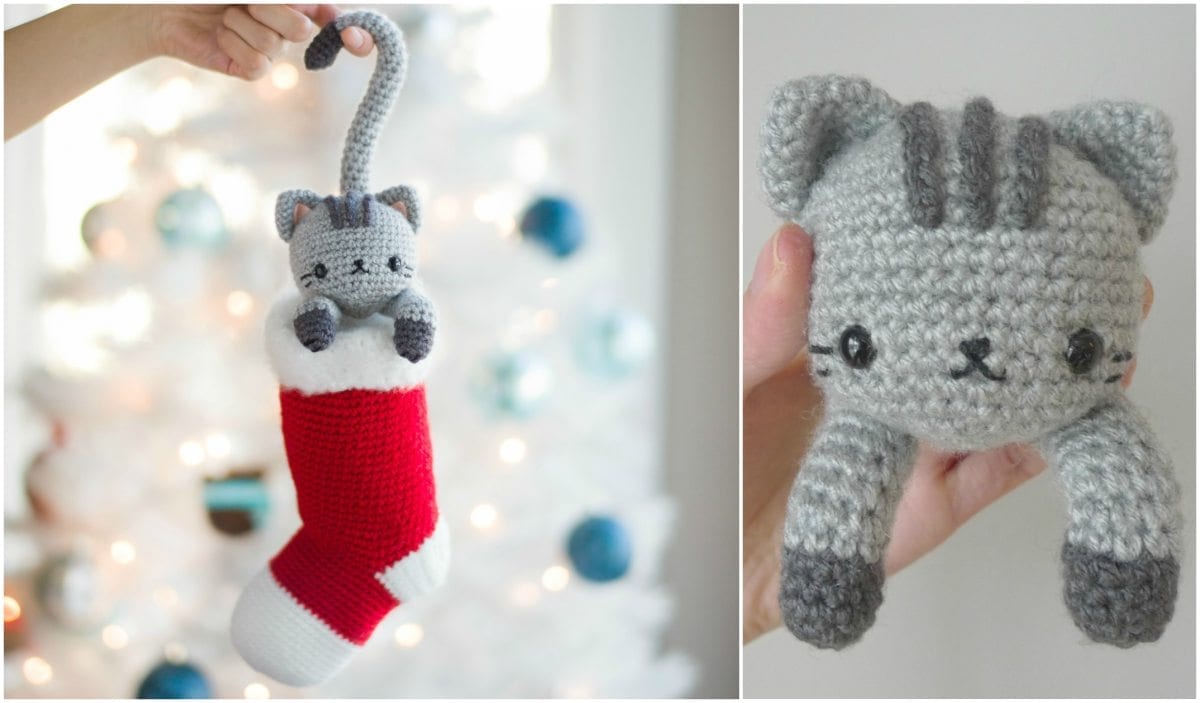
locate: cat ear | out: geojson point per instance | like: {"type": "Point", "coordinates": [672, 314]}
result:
{"type": "Point", "coordinates": [290, 207]}
{"type": "Point", "coordinates": [1131, 144]}
{"type": "Point", "coordinates": [808, 121]}
{"type": "Point", "coordinates": [404, 200]}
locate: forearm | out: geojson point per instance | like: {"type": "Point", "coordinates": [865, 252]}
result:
{"type": "Point", "coordinates": [54, 59]}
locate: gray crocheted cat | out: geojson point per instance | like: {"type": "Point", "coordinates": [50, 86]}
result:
{"type": "Point", "coordinates": [355, 254]}
{"type": "Point", "coordinates": [975, 282]}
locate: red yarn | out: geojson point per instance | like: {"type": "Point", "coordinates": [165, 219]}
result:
{"type": "Point", "coordinates": [362, 462]}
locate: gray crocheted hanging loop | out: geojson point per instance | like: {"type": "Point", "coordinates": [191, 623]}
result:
{"type": "Point", "coordinates": [381, 93]}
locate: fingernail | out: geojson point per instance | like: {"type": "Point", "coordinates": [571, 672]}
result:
{"type": "Point", "coordinates": [790, 250]}
{"type": "Point", "coordinates": [784, 252]}
{"type": "Point", "coordinates": [356, 38]}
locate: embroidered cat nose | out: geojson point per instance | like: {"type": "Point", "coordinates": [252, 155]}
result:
{"type": "Point", "coordinates": [358, 267]}
{"type": "Point", "coordinates": [976, 349]}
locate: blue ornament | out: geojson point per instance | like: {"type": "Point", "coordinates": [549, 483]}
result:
{"type": "Point", "coordinates": [600, 549]}
{"type": "Point", "coordinates": [615, 343]}
{"type": "Point", "coordinates": [514, 384]}
{"type": "Point", "coordinates": [191, 218]}
{"type": "Point", "coordinates": [169, 680]}
{"type": "Point", "coordinates": [554, 223]}
{"type": "Point", "coordinates": [238, 503]}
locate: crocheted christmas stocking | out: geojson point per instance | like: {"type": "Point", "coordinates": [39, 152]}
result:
{"type": "Point", "coordinates": [357, 440]}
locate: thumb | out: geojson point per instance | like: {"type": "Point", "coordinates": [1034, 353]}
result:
{"type": "Point", "coordinates": [775, 306]}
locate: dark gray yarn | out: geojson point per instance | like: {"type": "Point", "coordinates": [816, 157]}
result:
{"type": "Point", "coordinates": [413, 338]}
{"type": "Point", "coordinates": [1119, 602]}
{"type": "Point", "coordinates": [923, 168]}
{"type": "Point", "coordinates": [829, 601]}
{"type": "Point", "coordinates": [315, 329]}
{"type": "Point", "coordinates": [976, 147]}
{"type": "Point", "coordinates": [324, 48]}
{"type": "Point", "coordinates": [1030, 153]}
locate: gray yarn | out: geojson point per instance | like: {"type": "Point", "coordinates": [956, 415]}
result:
{"type": "Point", "coordinates": [1131, 144]}
{"type": "Point", "coordinates": [969, 322]}
{"type": "Point", "coordinates": [827, 600]}
{"type": "Point", "coordinates": [386, 80]}
{"type": "Point", "coordinates": [356, 254]}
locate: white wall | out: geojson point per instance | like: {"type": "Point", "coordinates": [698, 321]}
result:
{"type": "Point", "coordinates": [983, 614]}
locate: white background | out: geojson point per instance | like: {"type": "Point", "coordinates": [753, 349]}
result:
{"type": "Point", "coordinates": [983, 616]}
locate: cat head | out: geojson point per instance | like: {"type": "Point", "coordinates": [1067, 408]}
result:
{"type": "Point", "coordinates": [975, 276]}
{"type": "Point", "coordinates": [358, 250]}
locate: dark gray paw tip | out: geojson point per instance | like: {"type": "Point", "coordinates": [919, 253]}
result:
{"type": "Point", "coordinates": [1119, 602]}
{"type": "Point", "coordinates": [829, 601]}
{"type": "Point", "coordinates": [413, 339]}
{"type": "Point", "coordinates": [315, 329]}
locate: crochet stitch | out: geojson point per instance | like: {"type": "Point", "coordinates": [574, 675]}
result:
{"type": "Point", "coordinates": [975, 283]}
{"type": "Point", "coordinates": [354, 419]}
{"type": "Point", "coordinates": [356, 254]}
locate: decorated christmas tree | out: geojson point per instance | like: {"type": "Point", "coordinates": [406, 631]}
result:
{"type": "Point", "coordinates": [162, 484]}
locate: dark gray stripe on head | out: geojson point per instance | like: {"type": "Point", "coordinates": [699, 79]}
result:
{"type": "Point", "coordinates": [976, 146]}
{"type": "Point", "coordinates": [923, 172]}
{"type": "Point", "coordinates": [1030, 153]}
{"type": "Point", "coordinates": [335, 214]}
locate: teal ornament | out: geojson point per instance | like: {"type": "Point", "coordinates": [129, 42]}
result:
{"type": "Point", "coordinates": [191, 219]}
{"type": "Point", "coordinates": [515, 384]}
{"type": "Point", "coordinates": [600, 549]}
{"type": "Point", "coordinates": [554, 223]}
{"type": "Point", "coordinates": [167, 681]}
{"type": "Point", "coordinates": [614, 343]}
{"type": "Point", "coordinates": [73, 593]}
{"type": "Point", "coordinates": [238, 503]}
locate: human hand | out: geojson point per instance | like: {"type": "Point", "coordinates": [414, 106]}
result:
{"type": "Point", "coordinates": [241, 40]}
{"type": "Point", "coordinates": [781, 408]}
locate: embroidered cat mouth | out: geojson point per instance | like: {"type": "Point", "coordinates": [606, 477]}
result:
{"type": "Point", "coordinates": [974, 365]}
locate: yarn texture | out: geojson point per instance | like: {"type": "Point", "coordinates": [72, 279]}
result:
{"type": "Point", "coordinates": [975, 283]}
{"type": "Point", "coordinates": [351, 350]}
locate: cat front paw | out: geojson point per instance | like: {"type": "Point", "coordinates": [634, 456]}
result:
{"type": "Point", "coordinates": [1119, 602]}
{"type": "Point", "coordinates": [826, 600]}
{"type": "Point", "coordinates": [413, 339]}
{"type": "Point", "coordinates": [316, 329]}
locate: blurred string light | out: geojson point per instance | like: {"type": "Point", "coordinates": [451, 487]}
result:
{"type": "Point", "coordinates": [191, 453]}
{"type": "Point", "coordinates": [239, 303]}
{"type": "Point", "coordinates": [162, 112]}
{"type": "Point", "coordinates": [512, 450]}
{"type": "Point", "coordinates": [114, 637]}
{"type": "Point", "coordinates": [555, 578]}
{"type": "Point", "coordinates": [510, 53]}
{"type": "Point", "coordinates": [190, 166]}
{"type": "Point", "coordinates": [484, 516]}
{"type": "Point", "coordinates": [37, 671]}
{"type": "Point", "coordinates": [550, 283]}
{"type": "Point", "coordinates": [409, 634]}
{"type": "Point", "coordinates": [122, 552]}
{"type": "Point", "coordinates": [285, 76]}
{"type": "Point", "coordinates": [236, 189]}
{"type": "Point", "coordinates": [12, 609]}
{"type": "Point", "coordinates": [111, 243]}
{"type": "Point", "coordinates": [256, 691]}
